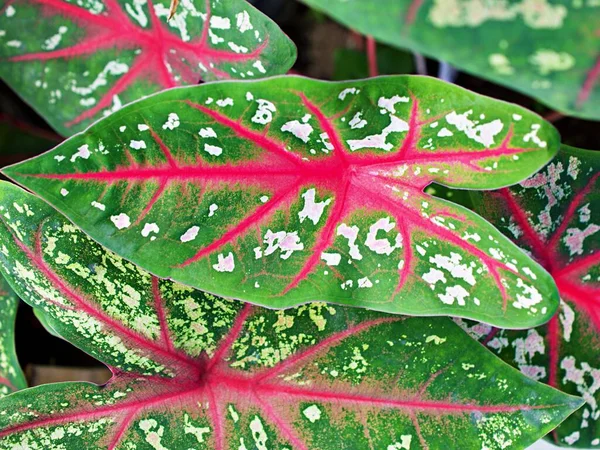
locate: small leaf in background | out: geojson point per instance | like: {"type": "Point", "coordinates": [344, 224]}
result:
{"type": "Point", "coordinates": [11, 376]}
{"type": "Point", "coordinates": [555, 216]}
{"type": "Point", "coordinates": [192, 370]}
{"type": "Point", "coordinates": [291, 190]}
{"type": "Point", "coordinates": [548, 50]}
{"type": "Point", "coordinates": [79, 61]}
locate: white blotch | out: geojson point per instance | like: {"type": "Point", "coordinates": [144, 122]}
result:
{"type": "Point", "coordinates": [190, 234]}
{"type": "Point", "coordinates": [482, 133]}
{"type": "Point", "coordinates": [453, 266]}
{"type": "Point", "coordinates": [264, 113]}
{"type": "Point", "coordinates": [220, 23]}
{"type": "Point", "coordinates": [382, 246]}
{"type": "Point", "coordinates": [389, 104]}
{"type": "Point", "coordinates": [225, 102]}
{"type": "Point", "coordinates": [64, 192]}
{"type": "Point", "coordinates": [331, 259]}
{"type": "Point", "coordinates": [530, 296]}
{"type": "Point", "coordinates": [312, 210]}
{"type": "Point", "coordinates": [98, 205]}
{"type": "Point", "coordinates": [224, 263]}
{"type": "Point", "coordinates": [454, 293]}
{"type": "Point", "coordinates": [567, 319]}
{"type": "Point", "coordinates": [136, 145]}
{"type": "Point", "coordinates": [121, 221]}
{"type": "Point", "coordinates": [533, 137]}
{"type": "Point", "coordinates": [243, 21]}
{"type": "Point", "coordinates": [82, 152]}
{"type": "Point", "coordinates": [301, 130]}
{"type": "Point", "coordinates": [350, 233]}
{"type": "Point", "coordinates": [212, 209]}
{"type": "Point", "coordinates": [445, 132]}
{"type": "Point", "coordinates": [347, 91]}
{"type": "Point", "coordinates": [259, 66]}
{"type": "Point", "coordinates": [150, 228]}
{"type": "Point", "coordinates": [517, 117]}
{"type": "Point", "coordinates": [172, 122]}
{"type": "Point", "coordinates": [380, 140]}
{"type": "Point", "coordinates": [364, 283]}
{"type": "Point", "coordinates": [433, 276]}
{"type": "Point", "coordinates": [575, 237]}
{"type": "Point", "coordinates": [312, 413]}
{"type": "Point", "coordinates": [207, 132]}
{"type": "Point", "coordinates": [52, 42]}
{"type": "Point", "coordinates": [286, 243]}
{"type": "Point", "coordinates": [213, 149]}
{"type": "Point", "coordinates": [357, 122]}
{"type": "Point", "coordinates": [143, 127]}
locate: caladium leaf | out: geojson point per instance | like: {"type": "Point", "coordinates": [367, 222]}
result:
{"type": "Point", "coordinates": [11, 376]}
{"type": "Point", "coordinates": [290, 190]}
{"type": "Point", "coordinates": [555, 215]}
{"type": "Point", "coordinates": [75, 61]}
{"type": "Point", "coordinates": [546, 49]}
{"type": "Point", "coordinates": [192, 370]}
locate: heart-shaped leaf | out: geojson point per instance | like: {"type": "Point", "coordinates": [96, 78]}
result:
{"type": "Point", "coordinates": [11, 376]}
{"type": "Point", "coordinates": [75, 61]}
{"type": "Point", "coordinates": [546, 49]}
{"type": "Point", "coordinates": [291, 190]}
{"type": "Point", "coordinates": [196, 371]}
{"type": "Point", "coordinates": [555, 215]}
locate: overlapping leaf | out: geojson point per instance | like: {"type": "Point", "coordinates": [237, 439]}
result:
{"type": "Point", "coordinates": [555, 215]}
{"type": "Point", "coordinates": [291, 190]}
{"type": "Point", "coordinates": [196, 371]}
{"type": "Point", "coordinates": [75, 61]}
{"type": "Point", "coordinates": [549, 50]}
{"type": "Point", "coordinates": [11, 376]}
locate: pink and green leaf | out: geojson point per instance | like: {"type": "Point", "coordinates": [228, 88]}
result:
{"type": "Point", "coordinates": [549, 50]}
{"type": "Point", "coordinates": [290, 190]}
{"type": "Point", "coordinates": [555, 216]}
{"type": "Point", "coordinates": [75, 62]}
{"type": "Point", "coordinates": [11, 376]}
{"type": "Point", "coordinates": [192, 370]}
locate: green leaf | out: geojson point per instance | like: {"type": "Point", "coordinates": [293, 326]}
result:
{"type": "Point", "coordinates": [11, 376]}
{"type": "Point", "coordinates": [545, 49]}
{"type": "Point", "coordinates": [290, 190]}
{"type": "Point", "coordinates": [555, 216]}
{"type": "Point", "coordinates": [192, 370]}
{"type": "Point", "coordinates": [77, 61]}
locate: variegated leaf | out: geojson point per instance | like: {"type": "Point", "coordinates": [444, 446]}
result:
{"type": "Point", "coordinates": [11, 376]}
{"type": "Point", "coordinates": [194, 371]}
{"type": "Point", "coordinates": [555, 216]}
{"type": "Point", "coordinates": [290, 190]}
{"type": "Point", "coordinates": [548, 49]}
{"type": "Point", "coordinates": [77, 60]}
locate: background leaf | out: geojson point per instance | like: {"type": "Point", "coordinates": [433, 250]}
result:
{"type": "Point", "coordinates": [291, 190]}
{"type": "Point", "coordinates": [11, 376]}
{"type": "Point", "coordinates": [545, 49]}
{"type": "Point", "coordinates": [554, 215]}
{"type": "Point", "coordinates": [79, 61]}
{"type": "Point", "coordinates": [192, 370]}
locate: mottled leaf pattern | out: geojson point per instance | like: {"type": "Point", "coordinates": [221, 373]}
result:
{"type": "Point", "coordinates": [555, 215]}
{"type": "Point", "coordinates": [77, 60]}
{"type": "Point", "coordinates": [11, 376]}
{"type": "Point", "coordinates": [548, 49]}
{"type": "Point", "coordinates": [290, 190]}
{"type": "Point", "coordinates": [194, 371]}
